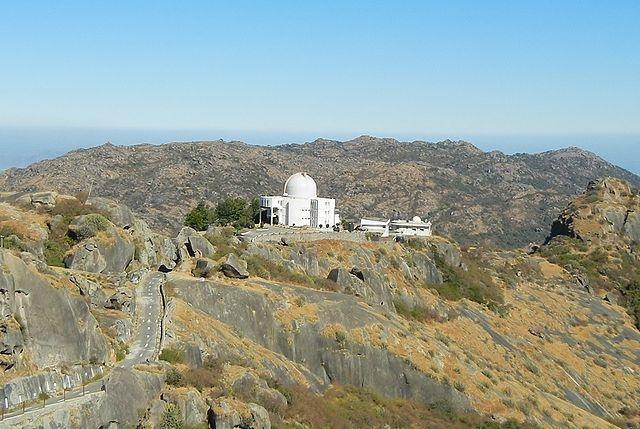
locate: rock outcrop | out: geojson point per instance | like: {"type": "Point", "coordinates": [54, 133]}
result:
{"type": "Point", "coordinates": [55, 327]}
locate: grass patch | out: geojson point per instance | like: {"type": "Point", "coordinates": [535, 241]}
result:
{"type": "Point", "coordinates": [343, 407]}
{"type": "Point", "coordinates": [416, 312]}
{"type": "Point", "coordinates": [474, 283]}
{"type": "Point", "coordinates": [172, 355]}
{"type": "Point", "coordinates": [259, 266]}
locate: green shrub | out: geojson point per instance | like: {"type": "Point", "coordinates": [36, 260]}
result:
{"type": "Point", "coordinates": [238, 212]}
{"type": "Point", "coordinates": [56, 247]}
{"type": "Point", "coordinates": [172, 355]}
{"type": "Point", "coordinates": [173, 377]}
{"type": "Point", "coordinates": [121, 351]}
{"type": "Point", "coordinates": [259, 266]}
{"type": "Point", "coordinates": [473, 283]}
{"type": "Point", "coordinates": [172, 418]}
{"type": "Point", "coordinates": [10, 241]}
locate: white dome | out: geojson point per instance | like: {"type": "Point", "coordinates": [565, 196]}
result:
{"type": "Point", "coordinates": [300, 185]}
{"type": "Point", "coordinates": [416, 219]}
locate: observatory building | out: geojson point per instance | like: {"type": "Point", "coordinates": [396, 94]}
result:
{"type": "Point", "coordinates": [299, 205]}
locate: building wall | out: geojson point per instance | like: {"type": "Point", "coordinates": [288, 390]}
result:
{"type": "Point", "coordinates": [297, 211]}
{"type": "Point", "coordinates": [326, 212]}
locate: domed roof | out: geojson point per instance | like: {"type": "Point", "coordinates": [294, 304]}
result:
{"type": "Point", "coordinates": [300, 185]}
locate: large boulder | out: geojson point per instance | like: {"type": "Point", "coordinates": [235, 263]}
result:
{"type": "Point", "coordinates": [347, 282]}
{"type": "Point", "coordinates": [203, 268]}
{"type": "Point", "coordinates": [234, 267]}
{"type": "Point", "coordinates": [306, 259]}
{"type": "Point", "coordinates": [193, 408]}
{"type": "Point", "coordinates": [425, 269]}
{"type": "Point", "coordinates": [153, 250]}
{"type": "Point", "coordinates": [248, 385]}
{"type": "Point", "coordinates": [86, 257]}
{"type": "Point", "coordinates": [39, 199]}
{"type": "Point", "coordinates": [91, 290]}
{"type": "Point", "coordinates": [365, 283]}
{"type": "Point", "coordinates": [120, 300]}
{"type": "Point", "coordinates": [200, 246]}
{"type": "Point", "coordinates": [448, 252]}
{"type": "Point", "coordinates": [191, 244]}
{"type": "Point", "coordinates": [632, 226]}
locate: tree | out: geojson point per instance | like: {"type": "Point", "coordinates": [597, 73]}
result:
{"type": "Point", "coordinates": [200, 217]}
{"type": "Point", "coordinates": [237, 212]}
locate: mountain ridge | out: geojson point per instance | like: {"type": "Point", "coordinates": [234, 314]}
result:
{"type": "Point", "coordinates": [461, 188]}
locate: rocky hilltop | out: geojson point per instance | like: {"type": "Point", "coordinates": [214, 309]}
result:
{"type": "Point", "coordinates": [472, 196]}
{"type": "Point", "coordinates": [326, 333]}
{"type": "Point", "coordinates": [597, 238]}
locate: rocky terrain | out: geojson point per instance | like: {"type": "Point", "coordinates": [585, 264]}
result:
{"type": "Point", "coordinates": [471, 195]}
{"type": "Point", "coordinates": [327, 333]}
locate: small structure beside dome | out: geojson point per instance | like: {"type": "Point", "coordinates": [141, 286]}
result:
{"type": "Point", "coordinates": [299, 205]}
{"type": "Point", "coordinates": [397, 227]}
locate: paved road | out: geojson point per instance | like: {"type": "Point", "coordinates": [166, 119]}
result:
{"type": "Point", "coordinates": [145, 346]}
{"type": "Point", "coordinates": [148, 319]}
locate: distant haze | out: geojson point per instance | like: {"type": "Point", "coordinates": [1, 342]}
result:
{"type": "Point", "coordinates": [21, 147]}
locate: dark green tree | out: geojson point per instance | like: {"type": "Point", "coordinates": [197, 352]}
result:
{"type": "Point", "coordinates": [237, 212]}
{"type": "Point", "coordinates": [200, 217]}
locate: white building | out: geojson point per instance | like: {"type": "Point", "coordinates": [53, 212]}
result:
{"type": "Point", "coordinates": [388, 227]}
{"type": "Point", "coordinates": [299, 205]}
{"type": "Point", "coordinates": [375, 226]}
{"type": "Point", "coordinates": [415, 226]}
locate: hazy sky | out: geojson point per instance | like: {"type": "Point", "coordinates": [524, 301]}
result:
{"type": "Point", "coordinates": [547, 69]}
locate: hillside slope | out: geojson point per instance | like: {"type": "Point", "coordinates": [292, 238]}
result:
{"type": "Point", "coordinates": [330, 333]}
{"type": "Point", "coordinates": [471, 195]}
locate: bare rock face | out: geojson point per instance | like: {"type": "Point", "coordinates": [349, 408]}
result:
{"type": "Point", "coordinates": [119, 214]}
{"type": "Point", "coordinates": [57, 328]}
{"type": "Point", "coordinates": [39, 199]}
{"type": "Point", "coordinates": [315, 343]}
{"type": "Point", "coordinates": [89, 289]}
{"type": "Point", "coordinates": [86, 257]}
{"type": "Point", "coordinates": [102, 249]}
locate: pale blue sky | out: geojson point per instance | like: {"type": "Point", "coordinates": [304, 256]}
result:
{"type": "Point", "coordinates": [508, 75]}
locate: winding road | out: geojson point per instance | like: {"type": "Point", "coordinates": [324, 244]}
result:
{"type": "Point", "coordinates": [145, 347]}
